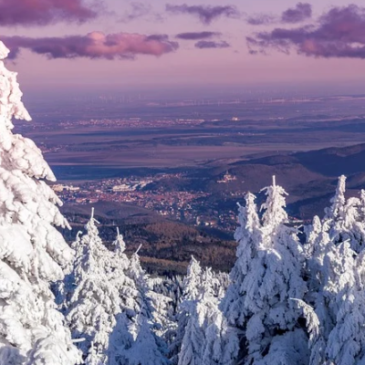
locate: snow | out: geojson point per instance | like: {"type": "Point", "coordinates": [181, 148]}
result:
{"type": "Point", "coordinates": [32, 252]}
{"type": "Point", "coordinates": [266, 276]}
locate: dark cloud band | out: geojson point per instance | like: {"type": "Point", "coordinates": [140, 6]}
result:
{"type": "Point", "coordinates": [194, 36]}
{"type": "Point", "coordinates": [206, 14]}
{"type": "Point", "coordinates": [211, 44]}
{"type": "Point", "coordinates": [94, 45]}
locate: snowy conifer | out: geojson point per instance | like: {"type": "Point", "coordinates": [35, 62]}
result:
{"type": "Point", "coordinates": [344, 218]}
{"type": "Point", "coordinates": [190, 293]}
{"type": "Point", "coordinates": [266, 277]}
{"type": "Point", "coordinates": [94, 301]}
{"type": "Point", "coordinates": [133, 341]}
{"type": "Point", "coordinates": [33, 252]}
{"type": "Point", "coordinates": [334, 295]}
{"type": "Point", "coordinates": [204, 335]}
{"type": "Point", "coordinates": [248, 236]}
{"type": "Point", "coordinates": [220, 341]}
{"type": "Point", "coordinates": [338, 201]}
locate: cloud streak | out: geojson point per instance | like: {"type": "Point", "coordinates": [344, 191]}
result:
{"type": "Point", "coordinates": [138, 10]}
{"type": "Point", "coordinates": [338, 33]}
{"type": "Point", "coordinates": [301, 12]}
{"type": "Point", "coordinates": [43, 12]}
{"type": "Point", "coordinates": [298, 14]}
{"type": "Point", "coordinates": [206, 14]}
{"type": "Point", "coordinates": [211, 44]}
{"type": "Point", "coordinates": [194, 36]}
{"type": "Point", "coordinates": [261, 19]}
{"type": "Point", "coordinates": [95, 45]}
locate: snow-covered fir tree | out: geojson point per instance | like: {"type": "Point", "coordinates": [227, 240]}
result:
{"type": "Point", "coordinates": [220, 340]}
{"type": "Point", "coordinates": [248, 235]}
{"type": "Point", "coordinates": [133, 341]}
{"type": "Point", "coordinates": [344, 218]}
{"type": "Point", "coordinates": [124, 279]}
{"type": "Point", "coordinates": [93, 302]}
{"type": "Point", "coordinates": [164, 315]}
{"type": "Point", "coordinates": [266, 276]}
{"type": "Point", "coordinates": [335, 282]}
{"type": "Point", "coordinates": [204, 334]}
{"type": "Point", "coordinates": [33, 252]}
{"type": "Point", "coordinates": [190, 292]}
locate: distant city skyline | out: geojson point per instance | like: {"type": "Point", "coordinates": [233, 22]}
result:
{"type": "Point", "coordinates": [74, 44]}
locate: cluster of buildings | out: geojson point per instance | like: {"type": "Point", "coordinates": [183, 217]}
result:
{"type": "Point", "coordinates": [186, 206]}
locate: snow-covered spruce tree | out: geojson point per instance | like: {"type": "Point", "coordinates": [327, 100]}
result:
{"type": "Point", "coordinates": [220, 340]}
{"type": "Point", "coordinates": [94, 301]}
{"type": "Point", "coordinates": [344, 218]}
{"type": "Point", "coordinates": [133, 341]}
{"type": "Point", "coordinates": [248, 235]}
{"type": "Point", "coordinates": [339, 309]}
{"type": "Point", "coordinates": [204, 335]}
{"type": "Point", "coordinates": [190, 290]}
{"type": "Point", "coordinates": [335, 285]}
{"type": "Point", "coordinates": [163, 313]}
{"type": "Point", "coordinates": [318, 248]}
{"type": "Point", "coordinates": [345, 343]}
{"type": "Point", "coordinates": [165, 294]}
{"type": "Point", "coordinates": [266, 276]}
{"type": "Point", "coordinates": [118, 271]}
{"type": "Point", "coordinates": [32, 251]}
{"type": "Point", "coordinates": [191, 326]}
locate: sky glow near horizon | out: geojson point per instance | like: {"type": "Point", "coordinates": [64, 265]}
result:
{"type": "Point", "coordinates": [176, 62]}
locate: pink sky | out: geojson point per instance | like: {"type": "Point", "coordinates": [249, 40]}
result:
{"type": "Point", "coordinates": [169, 65]}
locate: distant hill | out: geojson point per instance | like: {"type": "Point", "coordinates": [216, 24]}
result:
{"type": "Point", "coordinates": [309, 177]}
{"type": "Point", "coordinates": [335, 161]}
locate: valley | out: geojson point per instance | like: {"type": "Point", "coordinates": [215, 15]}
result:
{"type": "Point", "coordinates": [173, 183]}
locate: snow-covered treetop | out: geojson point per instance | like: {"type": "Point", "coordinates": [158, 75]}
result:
{"type": "Point", "coordinates": [338, 201]}
{"type": "Point", "coordinates": [3, 51]}
{"type": "Point", "coordinates": [275, 213]}
{"type": "Point", "coordinates": [17, 152]}
{"type": "Point", "coordinates": [91, 254]}
{"type": "Point", "coordinates": [119, 244]}
{"type": "Point", "coordinates": [10, 94]}
{"type": "Point", "coordinates": [192, 280]}
{"type": "Point", "coordinates": [248, 218]}
{"type": "Point", "coordinates": [90, 226]}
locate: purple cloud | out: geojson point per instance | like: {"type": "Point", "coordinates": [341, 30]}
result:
{"type": "Point", "coordinates": [43, 12]}
{"type": "Point", "coordinates": [194, 36]}
{"type": "Point", "coordinates": [301, 12]}
{"type": "Point", "coordinates": [206, 14]}
{"type": "Point", "coordinates": [211, 44]}
{"type": "Point", "coordinates": [338, 33]}
{"type": "Point", "coordinates": [261, 19]}
{"type": "Point", "coordinates": [138, 10]}
{"type": "Point", "coordinates": [95, 45]}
